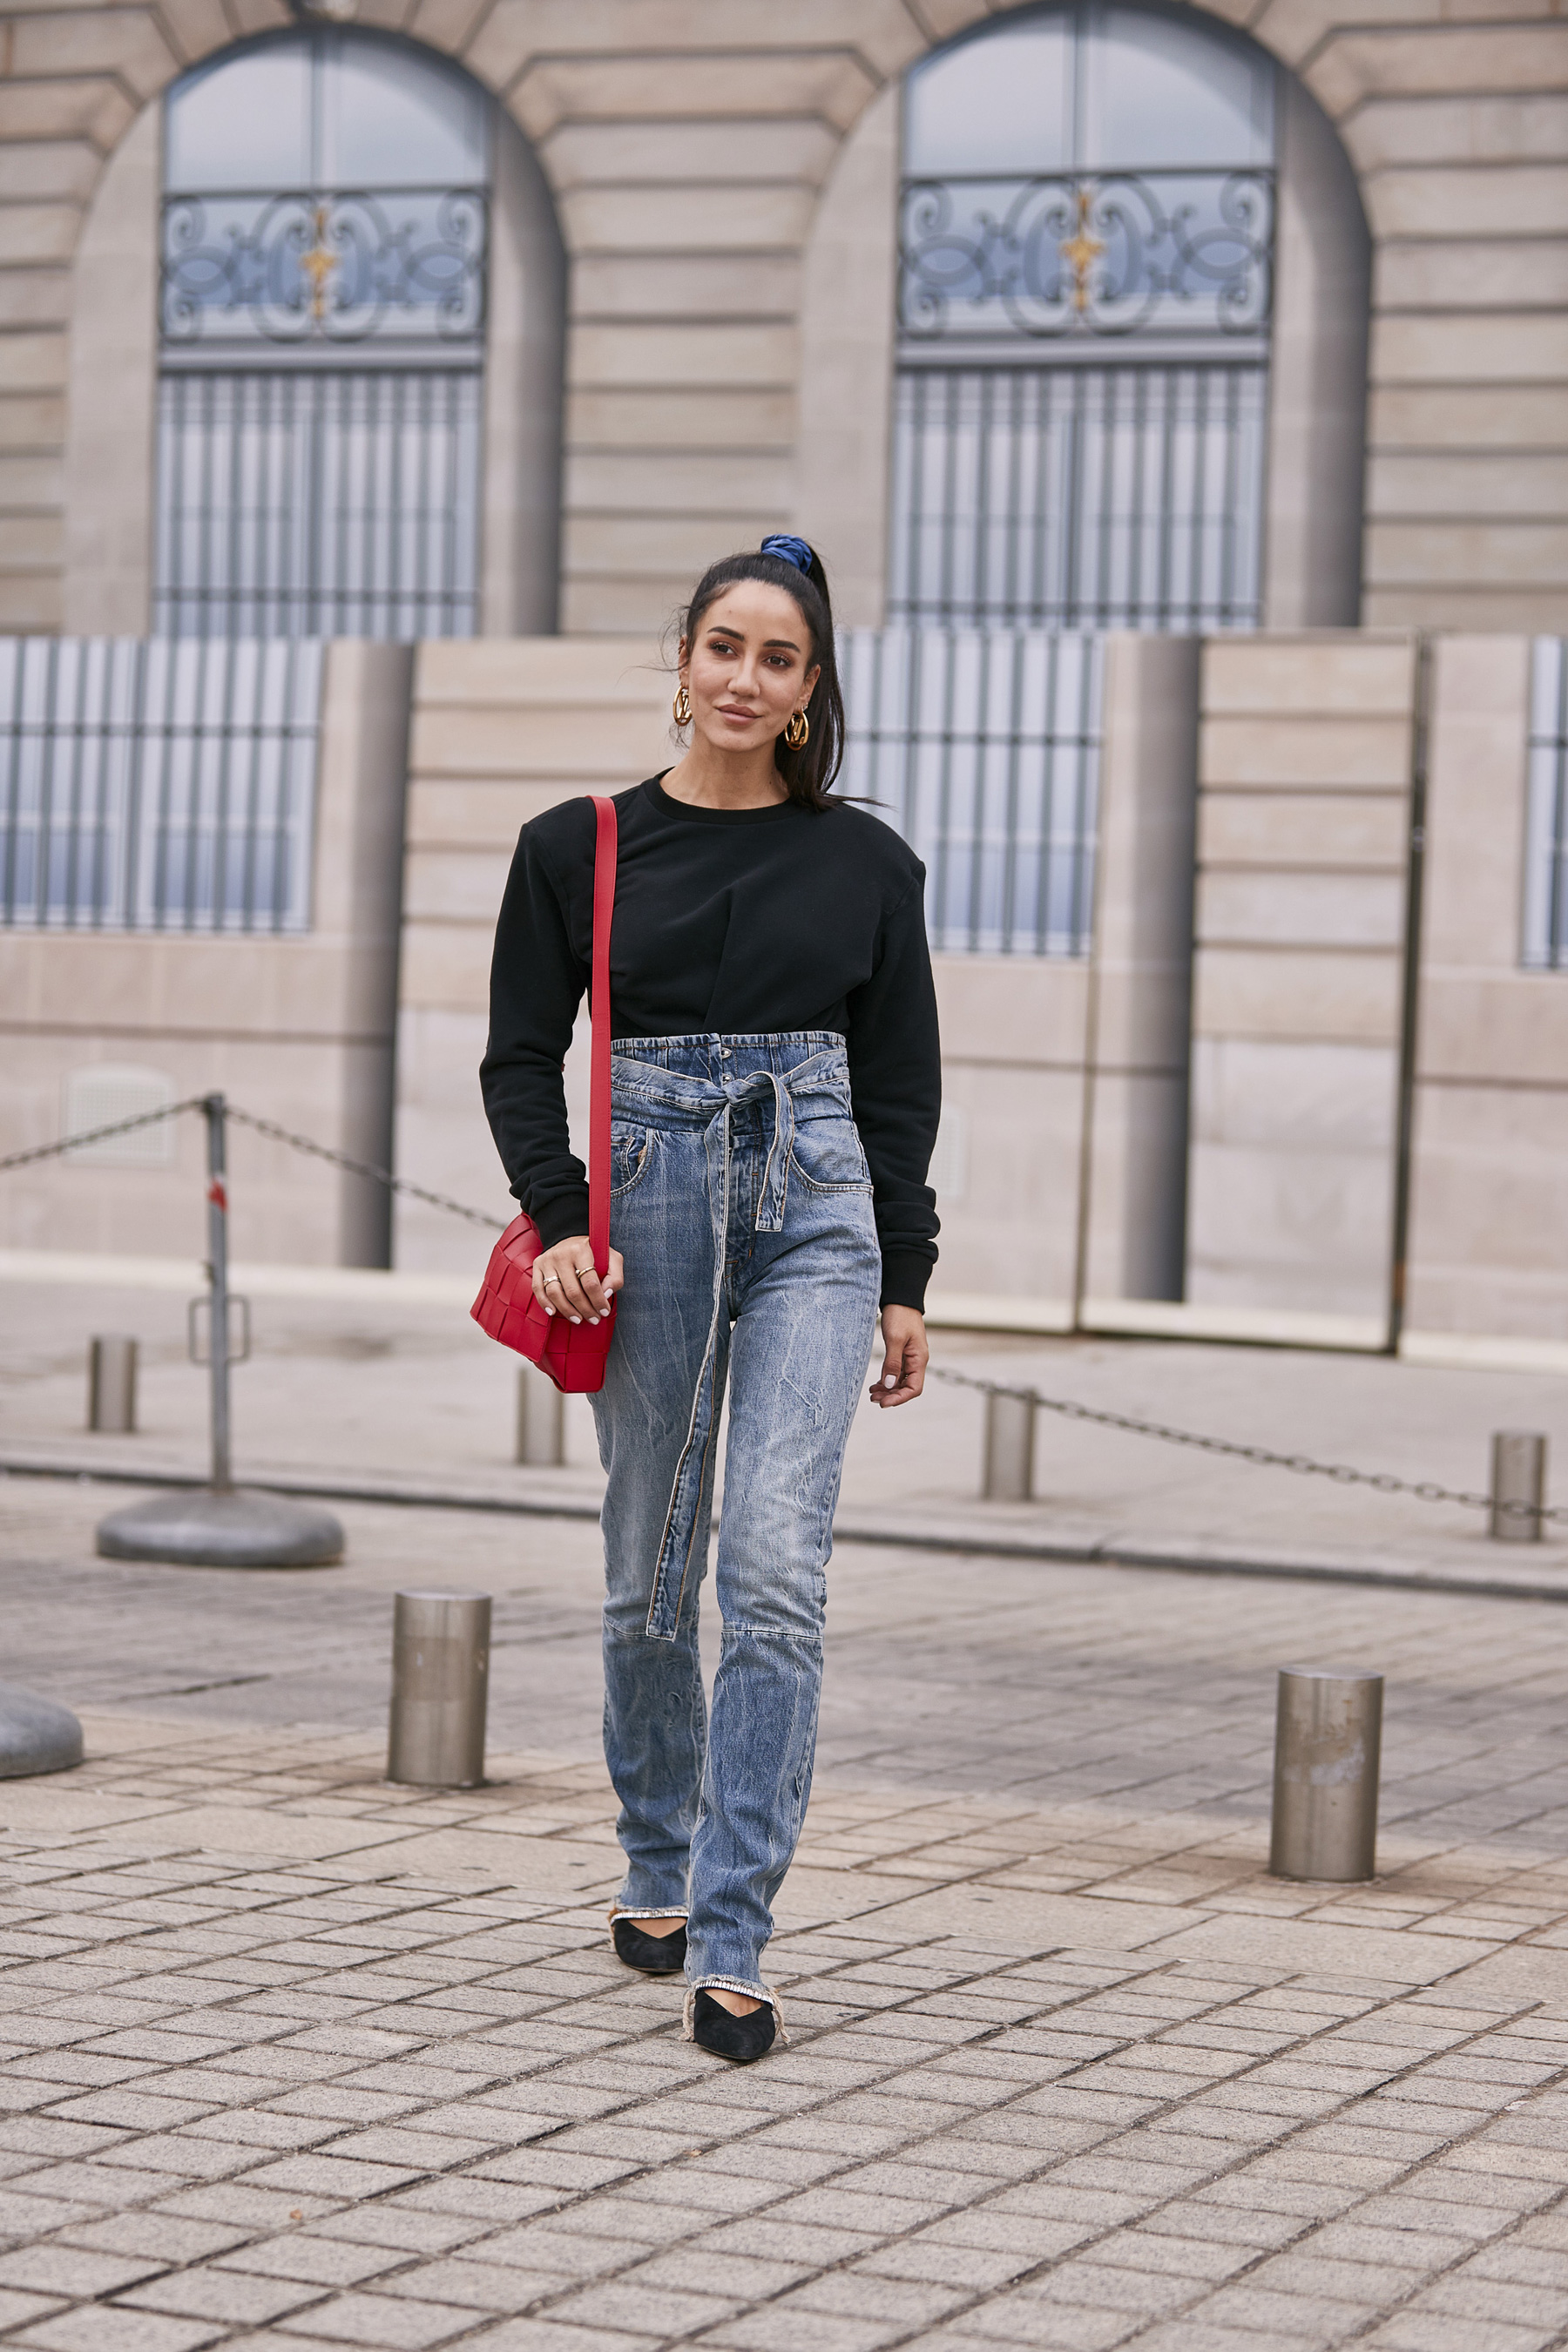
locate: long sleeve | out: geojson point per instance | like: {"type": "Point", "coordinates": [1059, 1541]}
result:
{"type": "Point", "coordinates": [537, 977]}
{"type": "Point", "coordinates": [895, 1080]}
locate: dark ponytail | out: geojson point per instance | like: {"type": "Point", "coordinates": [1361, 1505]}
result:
{"type": "Point", "coordinates": [807, 773]}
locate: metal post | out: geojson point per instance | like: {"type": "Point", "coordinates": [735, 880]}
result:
{"type": "Point", "coordinates": [111, 1383]}
{"type": "Point", "coordinates": [1519, 1485]}
{"type": "Point", "coordinates": [1009, 1474]}
{"type": "Point", "coordinates": [214, 1108]}
{"type": "Point", "coordinates": [541, 1421]}
{"type": "Point", "coordinates": [1328, 1739]}
{"type": "Point", "coordinates": [440, 1682]}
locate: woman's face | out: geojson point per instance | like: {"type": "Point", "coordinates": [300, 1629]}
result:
{"type": "Point", "coordinates": [748, 668]}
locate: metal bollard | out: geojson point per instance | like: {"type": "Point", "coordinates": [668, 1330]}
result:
{"type": "Point", "coordinates": [1009, 1470]}
{"type": "Point", "coordinates": [1519, 1485]}
{"type": "Point", "coordinates": [111, 1383]}
{"type": "Point", "coordinates": [440, 1682]}
{"type": "Point", "coordinates": [541, 1421]}
{"type": "Point", "coordinates": [1328, 1739]}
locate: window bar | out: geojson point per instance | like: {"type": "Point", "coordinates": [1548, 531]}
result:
{"type": "Point", "coordinates": [1050, 745]}
{"type": "Point", "coordinates": [1230, 512]}
{"type": "Point", "coordinates": [1071, 478]}
{"type": "Point", "coordinates": [47, 778]}
{"type": "Point", "coordinates": [1008, 905]}
{"type": "Point", "coordinates": [1136, 458]}
{"type": "Point", "coordinates": [73, 750]}
{"type": "Point", "coordinates": [978, 749]}
{"type": "Point", "coordinates": [1044, 437]}
{"type": "Point", "coordinates": [14, 784]}
{"type": "Point", "coordinates": [946, 739]}
{"type": "Point", "coordinates": [951, 412]}
{"type": "Point", "coordinates": [1013, 509]}
{"type": "Point", "coordinates": [1557, 881]}
{"type": "Point", "coordinates": [135, 760]}
{"type": "Point", "coordinates": [1102, 604]}
{"type": "Point", "coordinates": [161, 837]}
{"type": "Point", "coordinates": [1086, 801]}
{"type": "Point", "coordinates": [981, 576]}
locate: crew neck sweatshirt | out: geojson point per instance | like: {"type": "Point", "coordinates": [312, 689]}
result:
{"type": "Point", "coordinates": [728, 922]}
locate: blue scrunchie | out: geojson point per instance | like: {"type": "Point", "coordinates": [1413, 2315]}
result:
{"type": "Point", "coordinates": [788, 549]}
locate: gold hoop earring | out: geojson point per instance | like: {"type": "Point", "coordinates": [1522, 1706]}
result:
{"type": "Point", "coordinates": [681, 706]}
{"type": "Point", "coordinates": [797, 734]}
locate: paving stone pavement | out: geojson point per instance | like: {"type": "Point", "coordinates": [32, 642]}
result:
{"type": "Point", "coordinates": [293, 2058]}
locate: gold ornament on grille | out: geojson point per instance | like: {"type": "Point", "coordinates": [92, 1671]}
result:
{"type": "Point", "coordinates": [318, 266]}
{"type": "Point", "coordinates": [1081, 252]}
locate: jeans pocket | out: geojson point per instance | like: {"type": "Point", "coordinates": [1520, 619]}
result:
{"type": "Point", "coordinates": [828, 1156]}
{"type": "Point", "coordinates": [631, 1150]}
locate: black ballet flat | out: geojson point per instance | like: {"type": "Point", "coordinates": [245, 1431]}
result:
{"type": "Point", "coordinates": [656, 1955]}
{"type": "Point", "coordinates": [741, 2040]}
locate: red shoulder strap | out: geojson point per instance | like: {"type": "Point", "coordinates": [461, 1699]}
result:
{"type": "Point", "coordinates": [599, 1082]}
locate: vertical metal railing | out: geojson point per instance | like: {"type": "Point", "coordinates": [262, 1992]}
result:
{"type": "Point", "coordinates": [1079, 497]}
{"type": "Point", "coordinates": [149, 785]}
{"type": "Point", "coordinates": [333, 502]}
{"type": "Point", "coordinates": [982, 747]}
{"type": "Point", "coordinates": [1546, 942]}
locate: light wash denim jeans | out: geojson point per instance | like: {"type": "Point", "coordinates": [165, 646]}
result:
{"type": "Point", "coordinates": [742, 1205]}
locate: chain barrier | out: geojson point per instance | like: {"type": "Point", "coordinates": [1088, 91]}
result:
{"type": "Point", "coordinates": [1340, 1474]}
{"type": "Point", "coordinates": [364, 1167]}
{"type": "Point", "coordinates": [261, 1127]}
{"type": "Point", "coordinates": [96, 1134]}
{"type": "Point", "coordinates": [1383, 1481]}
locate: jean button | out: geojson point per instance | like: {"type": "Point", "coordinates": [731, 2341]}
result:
{"type": "Point", "coordinates": [723, 1052]}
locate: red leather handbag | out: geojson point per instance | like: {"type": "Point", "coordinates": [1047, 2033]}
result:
{"type": "Point", "coordinates": [572, 1353]}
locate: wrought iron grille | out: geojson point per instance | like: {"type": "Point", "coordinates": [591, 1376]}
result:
{"type": "Point", "coordinates": [318, 502]}
{"type": "Point", "coordinates": [982, 747]}
{"type": "Point", "coordinates": [1079, 497]}
{"type": "Point", "coordinates": [1546, 816]}
{"type": "Point", "coordinates": [1171, 252]}
{"type": "Point", "coordinates": [150, 786]}
{"type": "Point", "coordinates": [329, 267]}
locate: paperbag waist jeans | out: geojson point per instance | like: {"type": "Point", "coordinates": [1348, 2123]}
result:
{"type": "Point", "coordinates": [742, 1202]}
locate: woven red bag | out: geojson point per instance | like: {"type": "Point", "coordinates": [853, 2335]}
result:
{"type": "Point", "coordinates": [572, 1353]}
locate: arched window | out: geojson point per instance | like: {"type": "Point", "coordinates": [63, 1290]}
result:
{"type": "Point", "coordinates": [1086, 248]}
{"type": "Point", "coordinates": [322, 333]}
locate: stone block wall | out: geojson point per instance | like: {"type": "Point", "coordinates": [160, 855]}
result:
{"type": "Point", "coordinates": [688, 144]}
{"type": "Point", "coordinates": [1305, 764]}
{"type": "Point", "coordinates": [298, 1030]}
{"type": "Point", "coordinates": [1489, 1192]}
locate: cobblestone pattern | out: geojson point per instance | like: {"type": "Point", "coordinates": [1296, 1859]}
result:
{"type": "Point", "coordinates": [268, 2081]}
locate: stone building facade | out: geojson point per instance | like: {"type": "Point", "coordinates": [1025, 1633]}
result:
{"type": "Point", "coordinates": [724, 178]}
{"type": "Point", "coordinates": [1205, 364]}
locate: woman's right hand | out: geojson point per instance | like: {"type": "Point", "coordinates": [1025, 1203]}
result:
{"type": "Point", "coordinates": [564, 1282]}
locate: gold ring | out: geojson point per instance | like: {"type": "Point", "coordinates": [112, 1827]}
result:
{"type": "Point", "coordinates": [581, 1270]}
{"type": "Point", "coordinates": [549, 1279]}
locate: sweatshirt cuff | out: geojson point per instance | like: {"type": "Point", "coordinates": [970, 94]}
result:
{"type": "Point", "coordinates": [566, 1215]}
{"type": "Point", "coordinates": [905, 1273]}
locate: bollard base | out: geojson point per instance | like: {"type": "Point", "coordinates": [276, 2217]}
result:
{"type": "Point", "coordinates": [35, 1736]}
{"type": "Point", "coordinates": [200, 1528]}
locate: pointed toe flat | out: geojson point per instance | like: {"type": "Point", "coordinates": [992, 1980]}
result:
{"type": "Point", "coordinates": [656, 1955]}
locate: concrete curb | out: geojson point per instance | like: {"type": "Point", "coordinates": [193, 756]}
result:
{"type": "Point", "coordinates": [976, 1542]}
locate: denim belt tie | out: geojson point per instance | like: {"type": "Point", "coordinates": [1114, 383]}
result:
{"type": "Point", "coordinates": [680, 1520]}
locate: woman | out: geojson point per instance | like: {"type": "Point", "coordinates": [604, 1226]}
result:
{"type": "Point", "coordinates": [776, 1086]}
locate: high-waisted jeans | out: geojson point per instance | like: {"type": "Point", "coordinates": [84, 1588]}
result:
{"type": "Point", "coordinates": [742, 1206]}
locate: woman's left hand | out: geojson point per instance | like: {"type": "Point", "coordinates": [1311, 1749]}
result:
{"type": "Point", "coordinates": [903, 1372]}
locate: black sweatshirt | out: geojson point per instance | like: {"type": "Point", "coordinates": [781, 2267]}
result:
{"type": "Point", "coordinates": [731, 921]}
